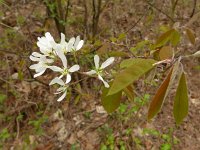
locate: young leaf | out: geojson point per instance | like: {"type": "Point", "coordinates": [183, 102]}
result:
{"type": "Point", "coordinates": [159, 97]}
{"type": "Point", "coordinates": [164, 38]}
{"type": "Point", "coordinates": [122, 36]}
{"type": "Point", "coordinates": [139, 46]}
{"type": "Point", "coordinates": [136, 61]}
{"type": "Point", "coordinates": [117, 54]}
{"type": "Point", "coordinates": [130, 74]}
{"type": "Point", "coordinates": [180, 110]}
{"type": "Point", "coordinates": [175, 38]}
{"type": "Point", "coordinates": [110, 102]}
{"type": "Point", "coordinates": [191, 35]}
{"type": "Point", "coordinates": [166, 52]}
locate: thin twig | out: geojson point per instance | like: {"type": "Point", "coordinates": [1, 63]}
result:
{"type": "Point", "coordinates": [86, 18]}
{"type": "Point", "coordinates": [5, 25]}
{"type": "Point", "coordinates": [135, 24]}
{"type": "Point", "coordinates": [194, 8]}
{"type": "Point", "coordinates": [160, 11]}
{"type": "Point", "coordinates": [18, 128]}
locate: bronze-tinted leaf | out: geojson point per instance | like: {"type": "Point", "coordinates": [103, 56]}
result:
{"type": "Point", "coordinates": [191, 35]}
{"type": "Point", "coordinates": [177, 70]}
{"type": "Point", "coordinates": [159, 97]}
{"type": "Point", "coordinates": [166, 52]}
{"type": "Point", "coordinates": [180, 110]}
{"type": "Point", "coordinates": [129, 92]}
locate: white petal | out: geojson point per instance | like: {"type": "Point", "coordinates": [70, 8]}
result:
{"type": "Point", "coordinates": [39, 74]}
{"type": "Point", "coordinates": [41, 68]}
{"type": "Point", "coordinates": [44, 50]}
{"type": "Point", "coordinates": [60, 89]}
{"type": "Point", "coordinates": [107, 62]}
{"type": "Point", "coordinates": [53, 44]}
{"type": "Point", "coordinates": [104, 82]}
{"type": "Point", "coordinates": [60, 76]}
{"type": "Point", "coordinates": [34, 58]}
{"type": "Point", "coordinates": [58, 92]}
{"type": "Point", "coordinates": [49, 60]}
{"type": "Point", "coordinates": [57, 80]}
{"type": "Point", "coordinates": [35, 66]}
{"type": "Point", "coordinates": [62, 41]}
{"type": "Point", "coordinates": [80, 44]}
{"type": "Point", "coordinates": [74, 68]}
{"type": "Point", "coordinates": [77, 41]}
{"type": "Point", "coordinates": [72, 40]}
{"type": "Point", "coordinates": [96, 61]}
{"type": "Point", "coordinates": [68, 78]}
{"type": "Point", "coordinates": [62, 57]}
{"type": "Point", "coordinates": [49, 36]}
{"type": "Point", "coordinates": [55, 68]}
{"type": "Point", "coordinates": [36, 54]}
{"type": "Point", "coordinates": [69, 47]}
{"type": "Point", "coordinates": [91, 72]}
{"type": "Point", "coordinates": [62, 97]}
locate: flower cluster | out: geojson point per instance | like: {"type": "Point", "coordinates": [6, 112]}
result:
{"type": "Point", "coordinates": [51, 51]}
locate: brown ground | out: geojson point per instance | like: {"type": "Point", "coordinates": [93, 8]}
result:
{"type": "Point", "coordinates": [85, 125]}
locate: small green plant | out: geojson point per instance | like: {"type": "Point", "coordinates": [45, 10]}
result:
{"type": "Point", "coordinates": [4, 135]}
{"type": "Point", "coordinates": [2, 98]}
{"type": "Point", "coordinates": [75, 146]}
{"type": "Point", "coordinates": [37, 124]}
{"type": "Point", "coordinates": [109, 141]}
{"type": "Point", "coordinates": [167, 138]}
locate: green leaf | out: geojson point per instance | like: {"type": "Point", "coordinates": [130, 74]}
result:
{"type": "Point", "coordinates": [122, 36]}
{"type": "Point", "coordinates": [191, 35]}
{"type": "Point", "coordinates": [166, 146]}
{"type": "Point", "coordinates": [136, 69]}
{"type": "Point", "coordinates": [139, 46]}
{"type": "Point", "coordinates": [136, 61]}
{"type": "Point", "coordinates": [118, 54]}
{"type": "Point", "coordinates": [181, 101]}
{"type": "Point", "coordinates": [164, 38]}
{"type": "Point", "coordinates": [175, 38]}
{"type": "Point", "coordinates": [159, 97]}
{"type": "Point", "coordinates": [110, 102]}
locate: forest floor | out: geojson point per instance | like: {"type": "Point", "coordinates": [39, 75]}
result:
{"type": "Point", "coordinates": [30, 116]}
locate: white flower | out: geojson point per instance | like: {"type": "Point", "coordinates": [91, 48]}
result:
{"type": "Point", "coordinates": [75, 44]}
{"type": "Point", "coordinates": [42, 64]}
{"type": "Point", "coordinates": [64, 71]}
{"type": "Point", "coordinates": [99, 70]}
{"type": "Point", "coordinates": [62, 89]}
{"type": "Point", "coordinates": [46, 44]}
